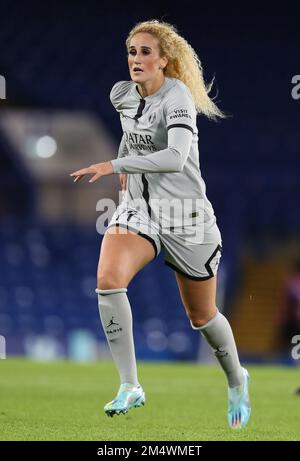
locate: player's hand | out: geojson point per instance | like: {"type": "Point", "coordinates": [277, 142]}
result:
{"type": "Point", "coordinates": [98, 170]}
{"type": "Point", "coordinates": [123, 180]}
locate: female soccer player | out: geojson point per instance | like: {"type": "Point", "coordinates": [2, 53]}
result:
{"type": "Point", "coordinates": [164, 207]}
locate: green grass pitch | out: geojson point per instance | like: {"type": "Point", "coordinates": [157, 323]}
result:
{"type": "Point", "coordinates": [184, 402]}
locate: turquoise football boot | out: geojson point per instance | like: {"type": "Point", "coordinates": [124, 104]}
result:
{"type": "Point", "coordinates": [128, 396]}
{"type": "Point", "coordinates": [239, 404]}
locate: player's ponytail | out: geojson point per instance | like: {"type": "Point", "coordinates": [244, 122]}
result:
{"type": "Point", "coordinates": [183, 63]}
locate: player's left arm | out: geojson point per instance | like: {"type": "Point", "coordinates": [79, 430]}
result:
{"type": "Point", "coordinates": [169, 160]}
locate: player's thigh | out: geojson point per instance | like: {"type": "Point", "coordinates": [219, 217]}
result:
{"type": "Point", "coordinates": [198, 298]}
{"type": "Point", "coordinates": [122, 256]}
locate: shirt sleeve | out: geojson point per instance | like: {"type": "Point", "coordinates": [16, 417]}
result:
{"type": "Point", "coordinates": [123, 151]}
{"type": "Point", "coordinates": [179, 109]}
{"type": "Point", "coordinates": [169, 160]}
{"type": "Point", "coordinates": [118, 93]}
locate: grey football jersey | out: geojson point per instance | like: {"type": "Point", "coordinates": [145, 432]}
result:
{"type": "Point", "coordinates": [147, 124]}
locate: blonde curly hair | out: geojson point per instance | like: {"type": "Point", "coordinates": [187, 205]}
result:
{"type": "Point", "coordinates": [183, 63]}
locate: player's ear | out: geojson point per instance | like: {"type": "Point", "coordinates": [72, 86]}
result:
{"type": "Point", "coordinates": [163, 62]}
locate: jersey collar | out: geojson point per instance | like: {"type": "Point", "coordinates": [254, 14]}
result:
{"type": "Point", "coordinates": [155, 95]}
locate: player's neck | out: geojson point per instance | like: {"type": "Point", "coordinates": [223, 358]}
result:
{"type": "Point", "coordinates": [149, 88]}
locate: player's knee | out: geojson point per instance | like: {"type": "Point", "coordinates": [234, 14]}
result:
{"type": "Point", "coordinates": [201, 319]}
{"type": "Point", "coordinates": [198, 322]}
{"type": "Point", "coordinates": [108, 280]}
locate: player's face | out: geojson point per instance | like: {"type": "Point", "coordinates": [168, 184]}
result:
{"type": "Point", "coordinates": [144, 58]}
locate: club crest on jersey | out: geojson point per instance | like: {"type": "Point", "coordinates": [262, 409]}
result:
{"type": "Point", "coordinates": [152, 117]}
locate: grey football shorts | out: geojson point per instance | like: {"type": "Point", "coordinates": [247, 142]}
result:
{"type": "Point", "coordinates": [195, 254]}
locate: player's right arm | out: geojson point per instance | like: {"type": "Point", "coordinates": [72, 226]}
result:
{"type": "Point", "coordinates": [123, 152]}
{"type": "Point", "coordinates": [116, 95]}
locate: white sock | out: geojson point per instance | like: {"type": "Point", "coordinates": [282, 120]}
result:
{"type": "Point", "coordinates": [116, 318]}
{"type": "Point", "coordinates": [218, 334]}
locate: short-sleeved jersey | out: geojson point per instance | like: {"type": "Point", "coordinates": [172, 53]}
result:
{"type": "Point", "coordinates": [146, 131]}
